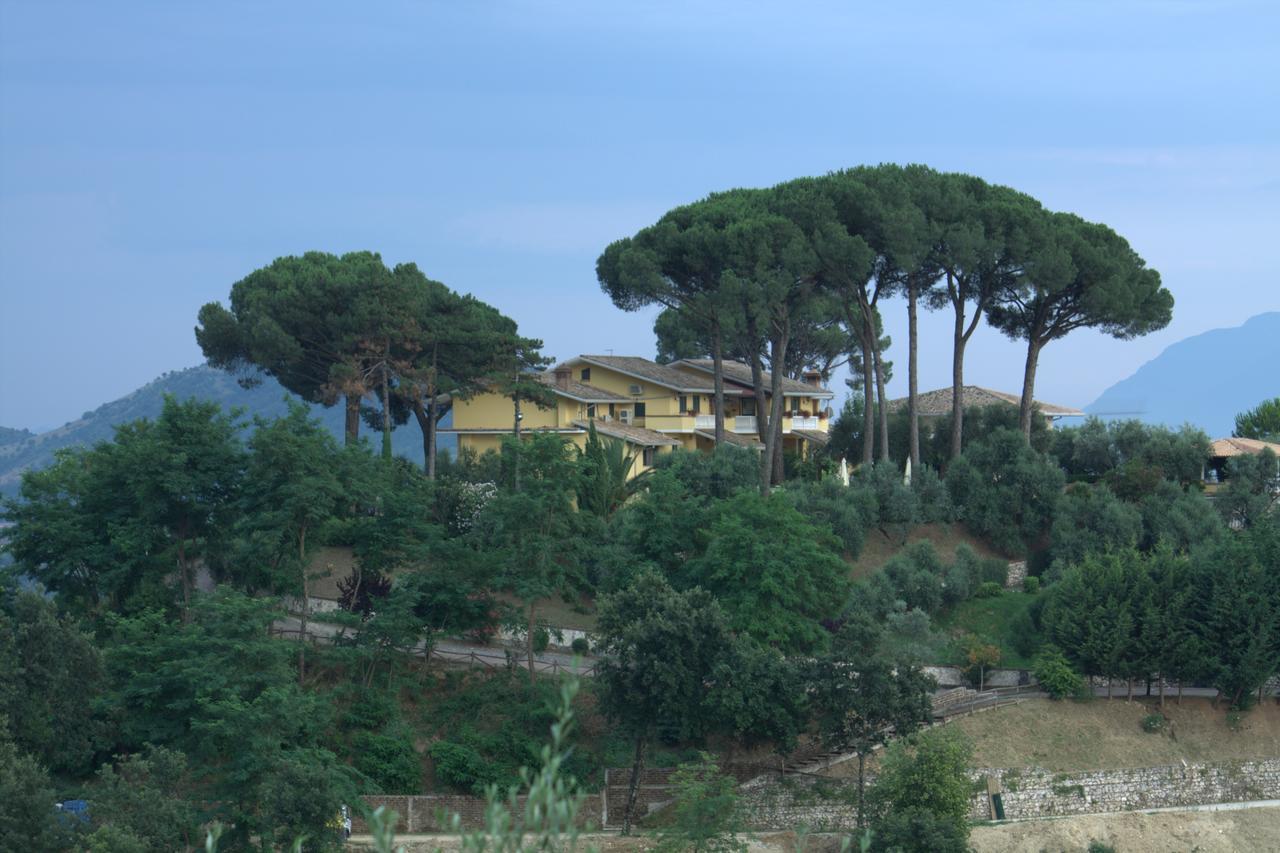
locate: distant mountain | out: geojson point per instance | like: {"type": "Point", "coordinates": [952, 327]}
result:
{"type": "Point", "coordinates": [20, 449]}
{"type": "Point", "coordinates": [1204, 380]}
{"type": "Point", "coordinates": [9, 435]}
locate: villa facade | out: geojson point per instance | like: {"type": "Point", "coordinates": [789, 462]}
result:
{"type": "Point", "coordinates": [652, 407]}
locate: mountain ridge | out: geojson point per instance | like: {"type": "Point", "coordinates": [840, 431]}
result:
{"type": "Point", "coordinates": [1204, 379]}
{"type": "Point", "coordinates": [21, 450]}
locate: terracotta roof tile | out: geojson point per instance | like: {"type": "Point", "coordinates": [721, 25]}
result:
{"type": "Point", "coordinates": [1227, 447]}
{"type": "Point", "coordinates": [934, 403]}
{"type": "Point", "coordinates": [740, 372]}
{"type": "Point", "coordinates": [634, 434]}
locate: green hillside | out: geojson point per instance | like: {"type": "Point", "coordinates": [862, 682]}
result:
{"type": "Point", "coordinates": [21, 449]}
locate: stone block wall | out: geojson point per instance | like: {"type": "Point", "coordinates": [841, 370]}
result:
{"type": "Point", "coordinates": [1039, 793]}
{"type": "Point", "coordinates": [1017, 571]}
{"type": "Point", "coordinates": [789, 802]}
{"type": "Point", "coordinates": [771, 802]}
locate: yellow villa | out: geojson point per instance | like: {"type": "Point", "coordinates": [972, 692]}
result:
{"type": "Point", "coordinates": [653, 407]}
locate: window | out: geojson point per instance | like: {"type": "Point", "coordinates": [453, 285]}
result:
{"type": "Point", "coordinates": [636, 390]}
{"type": "Point", "coordinates": [591, 410]}
{"type": "Point", "coordinates": [795, 405]}
{"type": "Point", "coordinates": [647, 456]}
{"type": "Point", "coordinates": [697, 404]}
{"type": "Point", "coordinates": [639, 410]}
{"type": "Point", "coordinates": [613, 412]}
{"type": "Point", "coordinates": [684, 404]}
{"type": "Point", "coordinates": [748, 407]}
{"type": "Point", "coordinates": [586, 374]}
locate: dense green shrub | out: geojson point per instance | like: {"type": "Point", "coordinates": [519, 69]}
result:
{"type": "Point", "coordinates": [849, 511]}
{"type": "Point", "coordinates": [933, 500]}
{"type": "Point", "coordinates": [462, 768]}
{"type": "Point", "coordinates": [1092, 520]}
{"type": "Point", "coordinates": [580, 645]}
{"type": "Point", "coordinates": [1031, 585]}
{"type": "Point", "coordinates": [916, 575]}
{"type": "Point", "coordinates": [370, 711]}
{"type": "Point", "coordinates": [1054, 673]}
{"type": "Point", "coordinates": [917, 829]}
{"type": "Point", "coordinates": [988, 589]}
{"type": "Point", "coordinates": [389, 761]}
{"type": "Point", "coordinates": [1004, 490]}
{"type": "Point", "coordinates": [1153, 724]}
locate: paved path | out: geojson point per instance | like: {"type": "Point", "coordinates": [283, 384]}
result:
{"type": "Point", "coordinates": [453, 651]}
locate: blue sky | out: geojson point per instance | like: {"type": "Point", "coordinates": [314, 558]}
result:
{"type": "Point", "coordinates": [151, 154]}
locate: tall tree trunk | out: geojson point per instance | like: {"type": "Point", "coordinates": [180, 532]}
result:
{"type": "Point", "coordinates": [958, 343]}
{"type": "Point", "coordinates": [515, 400]}
{"type": "Point", "coordinates": [386, 408]}
{"type": "Point", "coordinates": [432, 436]}
{"type": "Point", "coordinates": [913, 417]}
{"type": "Point", "coordinates": [422, 416]}
{"type": "Point", "coordinates": [306, 606]}
{"type": "Point", "coordinates": [868, 399]}
{"type": "Point", "coordinates": [533, 624]}
{"type": "Point", "coordinates": [184, 572]}
{"type": "Point", "coordinates": [1161, 676]}
{"type": "Point", "coordinates": [633, 786]}
{"type": "Point", "coordinates": [960, 339]}
{"type": "Point", "coordinates": [717, 372]}
{"type": "Point", "coordinates": [353, 419]}
{"type": "Point", "coordinates": [777, 365]}
{"type": "Point", "coordinates": [1028, 389]}
{"type": "Point", "coordinates": [883, 413]}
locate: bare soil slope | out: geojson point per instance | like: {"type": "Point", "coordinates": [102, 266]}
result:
{"type": "Point", "coordinates": [1204, 832]}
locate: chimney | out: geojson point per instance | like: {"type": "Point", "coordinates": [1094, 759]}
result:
{"type": "Point", "coordinates": [562, 378]}
{"type": "Point", "coordinates": [813, 377]}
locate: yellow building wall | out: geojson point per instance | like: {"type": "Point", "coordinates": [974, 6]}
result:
{"type": "Point", "coordinates": [496, 411]}
{"type": "Point", "coordinates": [484, 443]}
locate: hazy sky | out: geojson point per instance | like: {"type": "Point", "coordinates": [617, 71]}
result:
{"type": "Point", "coordinates": [151, 154]}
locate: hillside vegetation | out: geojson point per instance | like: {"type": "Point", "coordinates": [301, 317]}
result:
{"type": "Point", "coordinates": [21, 450]}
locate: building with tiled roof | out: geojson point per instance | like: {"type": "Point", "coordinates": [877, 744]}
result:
{"type": "Point", "coordinates": [935, 404]}
{"type": "Point", "coordinates": [652, 407]}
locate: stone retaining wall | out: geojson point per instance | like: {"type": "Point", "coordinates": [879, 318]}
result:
{"type": "Point", "coordinates": [1017, 571]}
{"type": "Point", "coordinates": [825, 805]}
{"type": "Point", "coordinates": [1039, 793]}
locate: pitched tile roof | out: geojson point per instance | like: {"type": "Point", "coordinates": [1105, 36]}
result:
{"type": "Point", "coordinates": [581, 390]}
{"type": "Point", "coordinates": [651, 371]}
{"type": "Point", "coordinates": [634, 434]}
{"type": "Point", "coordinates": [737, 439]}
{"type": "Point", "coordinates": [740, 372]}
{"type": "Point", "coordinates": [1227, 447]}
{"type": "Point", "coordinates": [933, 403]}
{"type": "Point", "coordinates": [817, 436]}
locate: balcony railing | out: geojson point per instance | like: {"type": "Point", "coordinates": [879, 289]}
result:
{"type": "Point", "coordinates": [745, 423]}
{"type": "Point", "coordinates": [798, 422]}
{"type": "Point", "coordinates": [704, 421]}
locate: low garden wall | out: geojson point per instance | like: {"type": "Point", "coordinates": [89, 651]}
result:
{"type": "Point", "coordinates": [433, 813]}
{"type": "Point", "coordinates": [827, 805]}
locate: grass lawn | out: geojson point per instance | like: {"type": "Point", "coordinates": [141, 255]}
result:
{"type": "Point", "coordinates": [1103, 734]}
{"type": "Point", "coordinates": [989, 619]}
{"type": "Point", "coordinates": [879, 548]}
